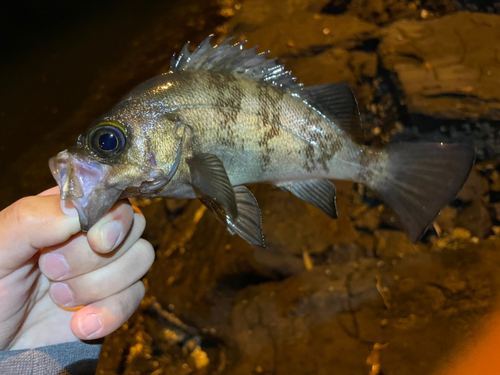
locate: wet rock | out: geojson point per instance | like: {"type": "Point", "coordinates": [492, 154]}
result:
{"type": "Point", "coordinates": [384, 11]}
{"type": "Point", "coordinates": [309, 31]}
{"type": "Point", "coordinates": [474, 188]}
{"type": "Point", "coordinates": [334, 65]}
{"type": "Point", "coordinates": [283, 263]}
{"type": "Point", "coordinates": [263, 12]}
{"type": "Point", "coordinates": [494, 178]}
{"type": "Point", "coordinates": [489, 6]}
{"type": "Point", "coordinates": [389, 219]}
{"type": "Point", "coordinates": [368, 220]}
{"type": "Point", "coordinates": [461, 234]}
{"type": "Point", "coordinates": [476, 219]}
{"type": "Point", "coordinates": [442, 69]}
{"type": "Point", "coordinates": [292, 225]}
{"type": "Point", "coordinates": [393, 244]}
{"type": "Point", "coordinates": [446, 220]}
{"type": "Point", "coordinates": [333, 315]}
{"type": "Point", "coordinates": [495, 208]}
{"type": "Point", "coordinates": [366, 242]}
{"type": "Point", "coordinates": [282, 327]}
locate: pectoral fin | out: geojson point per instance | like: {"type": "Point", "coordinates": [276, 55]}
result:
{"type": "Point", "coordinates": [209, 176]}
{"type": "Point", "coordinates": [319, 193]}
{"type": "Point", "coordinates": [248, 223]}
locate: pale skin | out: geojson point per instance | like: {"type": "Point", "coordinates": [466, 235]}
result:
{"type": "Point", "coordinates": [58, 284]}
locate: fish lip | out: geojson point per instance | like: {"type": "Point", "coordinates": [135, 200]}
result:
{"type": "Point", "coordinates": [84, 182]}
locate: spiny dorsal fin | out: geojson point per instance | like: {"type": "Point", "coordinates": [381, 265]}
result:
{"type": "Point", "coordinates": [337, 102]}
{"type": "Point", "coordinates": [233, 58]}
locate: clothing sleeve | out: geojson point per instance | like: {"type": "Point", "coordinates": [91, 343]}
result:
{"type": "Point", "coordinates": [73, 358]}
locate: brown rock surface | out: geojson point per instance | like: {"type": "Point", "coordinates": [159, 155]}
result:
{"type": "Point", "coordinates": [334, 65]}
{"type": "Point", "coordinates": [308, 30]}
{"type": "Point", "coordinates": [448, 67]}
{"type": "Point", "coordinates": [476, 219]}
{"type": "Point", "coordinates": [256, 13]}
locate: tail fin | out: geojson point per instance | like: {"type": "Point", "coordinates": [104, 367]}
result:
{"type": "Point", "coordinates": [422, 178]}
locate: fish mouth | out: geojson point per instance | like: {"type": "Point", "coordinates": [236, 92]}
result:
{"type": "Point", "coordinates": [84, 182]}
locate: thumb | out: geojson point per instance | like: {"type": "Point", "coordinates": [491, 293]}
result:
{"type": "Point", "coordinates": [30, 224]}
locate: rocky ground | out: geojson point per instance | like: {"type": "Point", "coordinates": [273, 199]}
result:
{"type": "Point", "coordinates": [350, 296]}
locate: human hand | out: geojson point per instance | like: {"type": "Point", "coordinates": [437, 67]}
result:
{"type": "Point", "coordinates": [40, 289]}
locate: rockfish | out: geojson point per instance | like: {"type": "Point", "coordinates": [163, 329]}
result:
{"type": "Point", "coordinates": [223, 117]}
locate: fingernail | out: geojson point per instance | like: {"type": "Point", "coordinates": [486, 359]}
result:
{"type": "Point", "coordinates": [68, 208]}
{"type": "Point", "coordinates": [90, 325]}
{"type": "Point", "coordinates": [110, 233]}
{"type": "Point", "coordinates": [55, 266]}
{"type": "Point", "coordinates": [61, 294]}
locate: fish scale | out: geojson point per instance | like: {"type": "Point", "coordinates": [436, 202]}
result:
{"type": "Point", "coordinates": [275, 127]}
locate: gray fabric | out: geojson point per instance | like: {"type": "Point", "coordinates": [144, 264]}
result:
{"type": "Point", "coordinates": [74, 358]}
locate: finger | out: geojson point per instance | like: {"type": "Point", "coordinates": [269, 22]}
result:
{"type": "Point", "coordinates": [75, 257]}
{"type": "Point", "coordinates": [109, 232]}
{"type": "Point", "coordinates": [30, 224]}
{"type": "Point", "coordinates": [107, 280]}
{"type": "Point", "coordinates": [52, 191]}
{"type": "Point", "coordinates": [67, 206]}
{"type": "Point", "coordinates": [106, 316]}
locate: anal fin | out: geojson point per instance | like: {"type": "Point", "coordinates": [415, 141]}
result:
{"type": "Point", "coordinates": [248, 223]}
{"type": "Point", "coordinates": [319, 193]}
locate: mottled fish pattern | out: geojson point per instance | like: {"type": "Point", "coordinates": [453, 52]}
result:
{"type": "Point", "coordinates": [223, 117]}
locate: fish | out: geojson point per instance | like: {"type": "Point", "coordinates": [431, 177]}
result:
{"type": "Point", "coordinates": [225, 116]}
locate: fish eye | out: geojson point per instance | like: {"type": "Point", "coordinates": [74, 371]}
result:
{"type": "Point", "coordinates": [107, 139]}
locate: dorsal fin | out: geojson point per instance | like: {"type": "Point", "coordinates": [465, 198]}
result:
{"type": "Point", "coordinates": [336, 102]}
{"type": "Point", "coordinates": [233, 58]}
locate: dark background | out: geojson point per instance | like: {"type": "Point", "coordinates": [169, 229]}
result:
{"type": "Point", "coordinates": [64, 63]}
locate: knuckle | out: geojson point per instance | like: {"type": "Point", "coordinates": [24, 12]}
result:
{"type": "Point", "coordinates": [132, 297]}
{"type": "Point", "coordinates": [22, 211]}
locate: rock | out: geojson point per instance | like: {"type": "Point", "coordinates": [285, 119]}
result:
{"type": "Point", "coordinates": [334, 65]}
{"type": "Point", "coordinates": [495, 208]}
{"type": "Point", "coordinates": [323, 318]}
{"type": "Point", "coordinates": [394, 244]}
{"type": "Point", "coordinates": [383, 11]}
{"type": "Point", "coordinates": [389, 219]}
{"type": "Point", "coordinates": [368, 220]}
{"type": "Point", "coordinates": [283, 263]}
{"type": "Point", "coordinates": [461, 234]}
{"type": "Point", "coordinates": [283, 327]}
{"type": "Point", "coordinates": [292, 225]}
{"type": "Point", "coordinates": [495, 181]}
{"type": "Point", "coordinates": [446, 220]}
{"type": "Point", "coordinates": [442, 69]}
{"type": "Point", "coordinates": [474, 188]}
{"type": "Point", "coordinates": [257, 13]}
{"type": "Point", "coordinates": [309, 31]}
{"type": "Point", "coordinates": [476, 219]}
